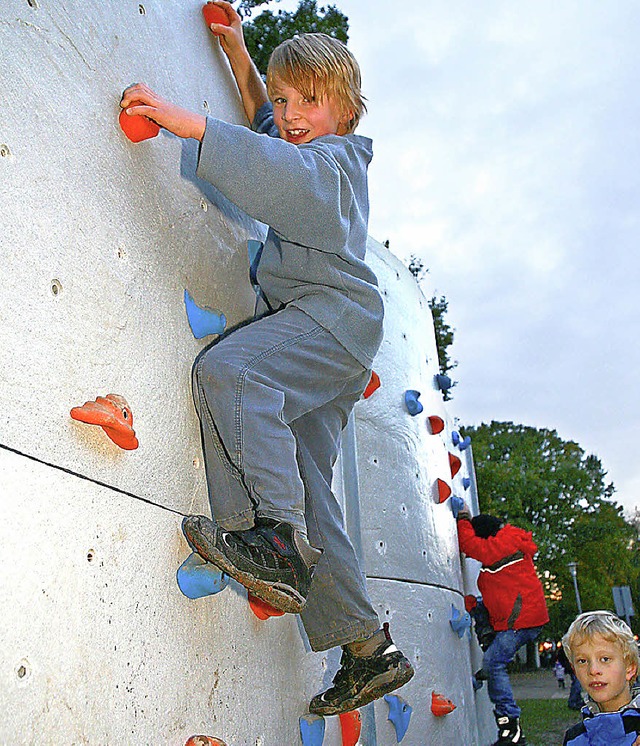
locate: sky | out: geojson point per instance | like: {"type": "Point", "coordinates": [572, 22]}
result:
{"type": "Point", "coordinates": [507, 157]}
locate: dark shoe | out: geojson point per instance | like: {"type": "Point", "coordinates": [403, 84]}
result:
{"type": "Point", "coordinates": [272, 560]}
{"type": "Point", "coordinates": [509, 731]}
{"type": "Point", "coordinates": [360, 680]}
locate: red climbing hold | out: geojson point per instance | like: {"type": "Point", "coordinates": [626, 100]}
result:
{"type": "Point", "coordinates": [215, 14]}
{"type": "Point", "coordinates": [454, 463]}
{"type": "Point", "coordinates": [137, 127]}
{"type": "Point", "coordinates": [443, 490]}
{"type": "Point", "coordinates": [204, 741]}
{"type": "Point", "coordinates": [113, 415]}
{"type": "Point", "coordinates": [261, 608]}
{"type": "Point", "coordinates": [374, 383]}
{"type": "Point", "coordinates": [440, 705]}
{"type": "Point", "coordinates": [351, 725]}
{"type": "Point", "coordinates": [437, 424]}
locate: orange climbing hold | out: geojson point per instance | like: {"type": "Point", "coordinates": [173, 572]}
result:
{"type": "Point", "coordinates": [454, 463]}
{"type": "Point", "coordinates": [351, 725]}
{"type": "Point", "coordinates": [374, 383]}
{"type": "Point", "coordinates": [215, 14]}
{"type": "Point", "coordinates": [444, 491]}
{"type": "Point", "coordinates": [204, 741]}
{"type": "Point", "coordinates": [261, 608]}
{"type": "Point", "coordinates": [113, 415]}
{"type": "Point", "coordinates": [437, 424]}
{"type": "Point", "coordinates": [137, 127]}
{"type": "Point", "coordinates": [440, 705]}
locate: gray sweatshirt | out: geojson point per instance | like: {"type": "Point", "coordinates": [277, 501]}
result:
{"type": "Point", "coordinates": [314, 199]}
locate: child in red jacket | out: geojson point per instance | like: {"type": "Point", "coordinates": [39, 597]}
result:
{"type": "Point", "coordinates": [513, 595]}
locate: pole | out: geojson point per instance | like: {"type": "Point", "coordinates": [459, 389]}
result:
{"type": "Point", "coordinates": [573, 569]}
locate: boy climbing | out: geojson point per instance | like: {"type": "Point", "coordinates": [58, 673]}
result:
{"type": "Point", "coordinates": [274, 395]}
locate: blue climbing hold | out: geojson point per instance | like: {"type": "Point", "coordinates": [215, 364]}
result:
{"type": "Point", "coordinates": [198, 578]}
{"type": "Point", "coordinates": [399, 714]}
{"type": "Point", "coordinates": [464, 444]}
{"type": "Point", "coordinates": [466, 482]}
{"type": "Point", "coordinates": [414, 407]}
{"type": "Point", "coordinates": [203, 321]}
{"type": "Point", "coordinates": [312, 730]}
{"type": "Point", "coordinates": [460, 622]}
{"type": "Point", "coordinates": [443, 382]}
{"type": "Point", "coordinates": [457, 503]}
{"type": "Point", "coordinates": [455, 437]}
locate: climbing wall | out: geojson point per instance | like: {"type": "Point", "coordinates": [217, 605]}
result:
{"type": "Point", "coordinates": [99, 239]}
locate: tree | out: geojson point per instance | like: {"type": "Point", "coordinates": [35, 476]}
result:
{"type": "Point", "coordinates": [263, 34]}
{"type": "Point", "coordinates": [534, 479]}
{"type": "Point", "coordinates": [444, 333]}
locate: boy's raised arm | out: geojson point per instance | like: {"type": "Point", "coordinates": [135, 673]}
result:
{"type": "Point", "coordinates": [252, 88]}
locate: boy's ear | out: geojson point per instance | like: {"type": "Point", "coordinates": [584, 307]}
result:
{"type": "Point", "coordinates": [632, 671]}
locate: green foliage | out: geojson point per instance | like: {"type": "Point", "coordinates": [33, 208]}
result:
{"type": "Point", "coordinates": [269, 29]}
{"type": "Point", "coordinates": [534, 479]}
{"type": "Point", "coordinates": [444, 333]}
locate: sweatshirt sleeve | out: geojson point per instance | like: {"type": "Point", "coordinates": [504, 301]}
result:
{"type": "Point", "coordinates": [488, 551]}
{"type": "Point", "coordinates": [302, 192]}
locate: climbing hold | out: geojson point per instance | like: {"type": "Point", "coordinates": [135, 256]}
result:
{"type": "Point", "coordinates": [204, 741]}
{"type": "Point", "coordinates": [443, 490]}
{"type": "Point", "coordinates": [113, 415]}
{"type": "Point", "coordinates": [442, 382]}
{"type": "Point", "coordinates": [460, 622]}
{"type": "Point", "coordinates": [198, 578]}
{"type": "Point", "coordinates": [312, 730]}
{"type": "Point", "coordinates": [374, 383]}
{"type": "Point", "coordinates": [203, 321]}
{"type": "Point", "coordinates": [455, 437]}
{"type": "Point", "coordinates": [466, 482]}
{"type": "Point", "coordinates": [135, 126]}
{"type": "Point", "coordinates": [399, 714]}
{"type": "Point", "coordinates": [464, 444]}
{"type": "Point", "coordinates": [261, 608]}
{"type": "Point", "coordinates": [440, 705]}
{"type": "Point", "coordinates": [214, 14]}
{"type": "Point", "coordinates": [457, 503]}
{"type": "Point", "coordinates": [414, 407]}
{"type": "Point", "coordinates": [437, 424]}
{"type": "Point", "coordinates": [351, 725]}
{"type": "Point", "coordinates": [454, 463]}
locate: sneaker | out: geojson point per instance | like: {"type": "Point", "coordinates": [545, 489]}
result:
{"type": "Point", "coordinates": [509, 731]}
{"type": "Point", "coordinates": [272, 559]}
{"type": "Point", "coordinates": [360, 680]}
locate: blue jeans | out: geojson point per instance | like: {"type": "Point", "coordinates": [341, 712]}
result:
{"type": "Point", "coordinates": [273, 397]}
{"type": "Point", "coordinates": [498, 654]}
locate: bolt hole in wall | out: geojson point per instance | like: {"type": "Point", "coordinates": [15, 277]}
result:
{"type": "Point", "coordinates": [91, 555]}
{"type": "Point", "coordinates": [4, 151]}
{"type": "Point", "coordinates": [23, 670]}
{"type": "Point", "coordinates": [56, 287]}
{"type": "Point", "coordinates": [142, 10]}
{"type": "Point", "coordinates": [32, 3]}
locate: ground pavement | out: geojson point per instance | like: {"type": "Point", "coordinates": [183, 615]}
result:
{"type": "Point", "coordinates": [540, 684]}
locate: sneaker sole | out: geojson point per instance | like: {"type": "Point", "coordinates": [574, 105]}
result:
{"type": "Point", "coordinates": [280, 595]}
{"type": "Point", "coordinates": [382, 684]}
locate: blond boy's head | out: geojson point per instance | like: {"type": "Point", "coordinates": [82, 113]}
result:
{"type": "Point", "coordinates": [605, 625]}
{"type": "Point", "coordinates": [321, 68]}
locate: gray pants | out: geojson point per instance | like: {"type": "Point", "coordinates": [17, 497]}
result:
{"type": "Point", "coordinates": [273, 398]}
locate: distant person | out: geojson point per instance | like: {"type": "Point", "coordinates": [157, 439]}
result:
{"type": "Point", "coordinates": [575, 701]}
{"type": "Point", "coordinates": [559, 673]}
{"type": "Point", "coordinates": [604, 654]}
{"type": "Point", "coordinates": [513, 595]}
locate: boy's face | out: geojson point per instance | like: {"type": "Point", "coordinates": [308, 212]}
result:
{"type": "Point", "coordinates": [299, 120]}
{"type": "Point", "coordinates": [603, 673]}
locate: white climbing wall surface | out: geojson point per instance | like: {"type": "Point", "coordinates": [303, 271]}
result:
{"type": "Point", "coordinates": [99, 238]}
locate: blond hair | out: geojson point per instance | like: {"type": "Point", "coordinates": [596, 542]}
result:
{"type": "Point", "coordinates": [320, 67]}
{"type": "Point", "coordinates": [608, 626]}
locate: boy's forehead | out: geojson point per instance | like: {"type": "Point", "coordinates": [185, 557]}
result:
{"type": "Point", "coordinates": [597, 641]}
